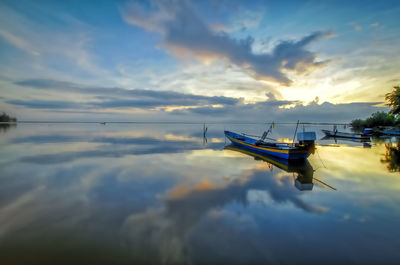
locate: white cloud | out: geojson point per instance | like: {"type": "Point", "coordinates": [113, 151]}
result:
{"type": "Point", "coordinates": [185, 33]}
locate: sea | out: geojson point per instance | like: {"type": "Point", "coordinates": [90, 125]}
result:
{"type": "Point", "coordinates": [180, 193]}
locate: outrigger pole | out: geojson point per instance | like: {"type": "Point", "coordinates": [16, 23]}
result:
{"type": "Point", "coordinates": [265, 134]}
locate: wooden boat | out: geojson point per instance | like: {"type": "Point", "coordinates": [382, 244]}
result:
{"type": "Point", "coordinates": [282, 150]}
{"type": "Point", "coordinates": [338, 134]}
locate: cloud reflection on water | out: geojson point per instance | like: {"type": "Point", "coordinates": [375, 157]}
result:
{"type": "Point", "coordinates": [168, 230]}
{"type": "Point", "coordinates": [159, 196]}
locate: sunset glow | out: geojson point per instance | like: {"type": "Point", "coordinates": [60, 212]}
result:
{"type": "Point", "coordinates": [192, 60]}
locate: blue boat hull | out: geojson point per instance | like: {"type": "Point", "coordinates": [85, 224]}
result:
{"type": "Point", "coordinates": [284, 152]}
{"type": "Point", "coordinates": [387, 132]}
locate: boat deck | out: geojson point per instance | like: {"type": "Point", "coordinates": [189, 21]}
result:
{"type": "Point", "coordinates": [281, 150]}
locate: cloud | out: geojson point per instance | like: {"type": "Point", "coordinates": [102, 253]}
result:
{"type": "Point", "coordinates": [242, 20]}
{"type": "Point", "coordinates": [17, 42]}
{"type": "Point", "coordinates": [355, 26]}
{"type": "Point", "coordinates": [112, 148]}
{"type": "Point", "coordinates": [45, 104]}
{"type": "Point", "coordinates": [115, 97]}
{"type": "Point", "coordinates": [184, 32]}
{"type": "Point", "coordinates": [172, 226]}
{"type": "Point", "coordinates": [188, 106]}
{"type": "Point", "coordinates": [66, 44]}
{"type": "Point", "coordinates": [274, 110]}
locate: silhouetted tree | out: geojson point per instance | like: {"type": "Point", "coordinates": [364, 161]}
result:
{"type": "Point", "coordinates": [5, 118]}
{"type": "Point", "coordinates": [393, 100]}
{"type": "Point", "coordinates": [379, 118]}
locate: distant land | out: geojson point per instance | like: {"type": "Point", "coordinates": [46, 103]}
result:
{"type": "Point", "coordinates": [6, 118]}
{"type": "Point", "coordinates": [382, 118]}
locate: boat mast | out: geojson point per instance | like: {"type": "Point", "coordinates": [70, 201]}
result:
{"type": "Point", "coordinates": [294, 136]}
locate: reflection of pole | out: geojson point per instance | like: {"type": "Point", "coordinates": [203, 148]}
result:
{"type": "Point", "coordinates": [204, 133]}
{"type": "Point", "coordinates": [294, 136]}
{"type": "Point", "coordinates": [320, 181]}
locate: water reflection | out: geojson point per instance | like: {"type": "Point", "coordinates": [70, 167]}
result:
{"type": "Point", "coordinates": [113, 147]}
{"type": "Point", "coordinates": [304, 179]}
{"type": "Point", "coordinates": [171, 230]}
{"type": "Point", "coordinates": [336, 139]}
{"type": "Point", "coordinates": [4, 127]}
{"type": "Point", "coordinates": [392, 157]}
{"type": "Point", "coordinates": [122, 194]}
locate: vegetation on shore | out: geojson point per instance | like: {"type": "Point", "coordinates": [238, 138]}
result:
{"type": "Point", "coordinates": [6, 118]}
{"type": "Point", "coordinates": [379, 118]}
{"type": "Point", "coordinates": [382, 118]}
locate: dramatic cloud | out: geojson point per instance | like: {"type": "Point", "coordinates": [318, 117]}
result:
{"type": "Point", "coordinates": [184, 32]}
{"type": "Point", "coordinates": [173, 226]}
{"type": "Point", "coordinates": [274, 110]}
{"type": "Point", "coordinates": [115, 97]}
{"type": "Point", "coordinates": [187, 107]}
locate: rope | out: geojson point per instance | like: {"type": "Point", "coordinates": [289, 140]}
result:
{"type": "Point", "coordinates": [320, 158]}
{"type": "Point", "coordinates": [259, 136]}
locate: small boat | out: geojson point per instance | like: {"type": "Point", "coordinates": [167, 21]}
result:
{"type": "Point", "coordinates": [338, 134]}
{"type": "Point", "coordinates": [347, 139]}
{"type": "Point", "coordinates": [391, 132]}
{"type": "Point", "coordinates": [282, 150]}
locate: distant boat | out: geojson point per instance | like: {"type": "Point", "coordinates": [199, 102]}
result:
{"type": "Point", "coordinates": [348, 139]}
{"type": "Point", "coordinates": [282, 150]}
{"type": "Point", "coordinates": [392, 132]}
{"type": "Point", "coordinates": [338, 134]}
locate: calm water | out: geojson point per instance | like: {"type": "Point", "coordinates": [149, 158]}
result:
{"type": "Point", "coordinates": [161, 194]}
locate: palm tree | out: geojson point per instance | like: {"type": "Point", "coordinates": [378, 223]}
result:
{"type": "Point", "coordinates": [393, 99]}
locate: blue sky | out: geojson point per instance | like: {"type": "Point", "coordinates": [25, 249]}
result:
{"type": "Point", "coordinates": [197, 60]}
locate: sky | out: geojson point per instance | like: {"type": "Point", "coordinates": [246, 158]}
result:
{"type": "Point", "coordinates": [186, 60]}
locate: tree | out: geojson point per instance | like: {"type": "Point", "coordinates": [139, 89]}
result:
{"type": "Point", "coordinates": [393, 100]}
{"type": "Point", "coordinates": [5, 118]}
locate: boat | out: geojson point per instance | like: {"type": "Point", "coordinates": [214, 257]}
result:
{"type": "Point", "coordinates": [338, 134]}
{"type": "Point", "coordinates": [348, 139]}
{"type": "Point", "coordinates": [281, 150]}
{"type": "Point", "coordinates": [391, 132]}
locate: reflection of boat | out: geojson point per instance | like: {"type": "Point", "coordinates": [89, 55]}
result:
{"type": "Point", "coordinates": [303, 168]}
{"type": "Point", "coordinates": [281, 150]}
{"type": "Point", "coordinates": [356, 140]}
{"type": "Point", "coordinates": [304, 180]}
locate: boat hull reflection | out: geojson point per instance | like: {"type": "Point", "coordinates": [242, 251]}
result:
{"type": "Point", "coordinates": [304, 170]}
